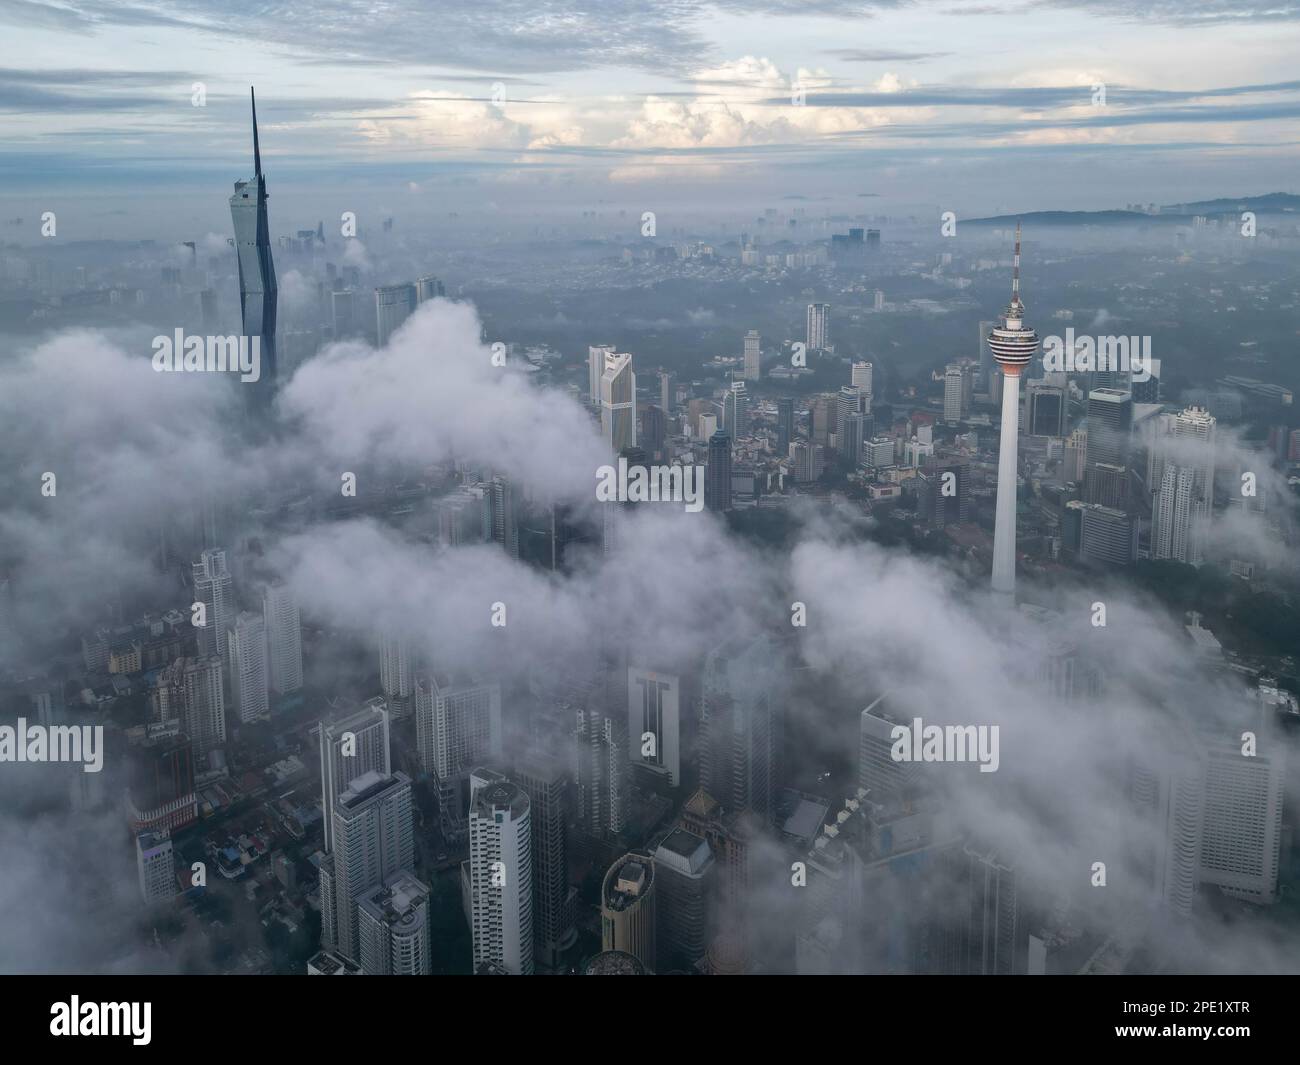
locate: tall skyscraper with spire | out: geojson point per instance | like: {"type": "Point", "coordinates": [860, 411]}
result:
{"type": "Point", "coordinates": [1013, 344]}
{"type": "Point", "coordinates": [258, 295]}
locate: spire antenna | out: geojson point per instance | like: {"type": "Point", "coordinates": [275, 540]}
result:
{"type": "Point", "coordinates": [1015, 265]}
{"type": "Point", "coordinates": [257, 151]}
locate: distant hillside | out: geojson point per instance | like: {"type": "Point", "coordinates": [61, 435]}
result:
{"type": "Point", "coordinates": [1272, 203]}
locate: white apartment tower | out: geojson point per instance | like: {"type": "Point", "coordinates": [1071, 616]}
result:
{"type": "Point", "coordinates": [501, 874]}
{"type": "Point", "coordinates": [212, 588]}
{"type": "Point", "coordinates": [818, 326]}
{"type": "Point", "coordinates": [155, 867]}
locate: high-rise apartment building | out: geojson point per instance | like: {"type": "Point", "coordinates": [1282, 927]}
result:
{"type": "Point", "coordinates": [246, 655]}
{"type": "Point", "coordinates": [213, 588]}
{"type": "Point", "coordinates": [393, 928]}
{"type": "Point", "coordinates": [501, 874]}
{"type": "Point", "coordinates": [350, 747]}
{"type": "Point", "coordinates": [283, 638]}
{"type": "Point", "coordinates": [818, 335]}
{"type": "Point", "coordinates": [373, 839]}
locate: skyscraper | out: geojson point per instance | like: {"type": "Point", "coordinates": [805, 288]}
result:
{"type": "Point", "coordinates": [735, 409]}
{"type": "Point", "coordinates": [428, 288]}
{"type": "Point", "coordinates": [784, 425]}
{"type": "Point", "coordinates": [717, 472]}
{"type": "Point", "coordinates": [501, 874]}
{"type": "Point", "coordinates": [627, 908]}
{"type": "Point", "coordinates": [818, 326]}
{"type": "Point", "coordinates": [155, 867]}
{"type": "Point", "coordinates": [204, 715]}
{"type": "Point", "coordinates": [684, 872]}
{"type": "Point", "coordinates": [956, 392]}
{"type": "Point", "coordinates": [654, 721]}
{"type": "Point", "coordinates": [393, 305]}
{"type": "Point", "coordinates": [753, 355]}
{"type": "Point", "coordinates": [1110, 424]}
{"type": "Point", "coordinates": [396, 670]}
{"type": "Point", "coordinates": [1182, 469]}
{"type": "Point", "coordinates": [1013, 346]}
{"type": "Point", "coordinates": [283, 638]}
{"type": "Point", "coordinates": [861, 377]}
{"type": "Point", "coordinates": [258, 295]}
{"type": "Point", "coordinates": [740, 727]}
{"type": "Point", "coordinates": [350, 747]}
{"type": "Point", "coordinates": [457, 726]}
{"type": "Point", "coordinates": [393, 927]}
{"type": "Point", "coordinates": [618, 401]}
{"type": "Point", "coordinates": [246, 653]}
{"type": "Point", "coordinates": [212, 588]}
{"type": "Point", "coordinates": [546, 783]}
{"type": "Point", "coordinates": [596, 369]}
{"type": "Point", "coordinates": [374, 839]}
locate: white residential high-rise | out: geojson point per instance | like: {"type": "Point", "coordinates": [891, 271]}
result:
{"type": "Point", "coordinates": [954, 393]}
{"type": "Point", "coordinates": [246, 654]}
{"type": "Point", "coordinates": [818, 326]}
{"type": "Point", "coordinates": [753, 356]}
{"type": "Point", "coordinates": [212, 588]}
{"type": "Point", "coordinates": [283, 638]}
{"type": "Point", "coordinates": [1181, 468]}
{"type": "Point", "coordinates": [654, 721]}
{"type": "Point", "coordinates": [393, 925]}
{"type": "Point", "coordinates": [501, 874]}
{"type": "Point", "coordinates": [1013, 345]}
{"type": "Point", "coordinates": [374, 839]}
{"type": "Point", "coordinates": [350, 747]}
{"type": "Point", "coordinates": [618, 402]}
{"type": "Point", "coordinates": [155, 867]}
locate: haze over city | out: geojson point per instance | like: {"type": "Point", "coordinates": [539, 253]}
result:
{"type": "Point", "coordinates": [647, 488]}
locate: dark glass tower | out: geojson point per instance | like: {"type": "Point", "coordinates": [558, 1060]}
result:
{"type": "Point", "coordinates": [257, 289]}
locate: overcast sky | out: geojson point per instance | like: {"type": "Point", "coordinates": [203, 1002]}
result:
{"type": "Point", "coordinates": [978, 106]}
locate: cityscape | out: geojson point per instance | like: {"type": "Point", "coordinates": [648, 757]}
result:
{"type": "Point", "coordinates": [791, 497]}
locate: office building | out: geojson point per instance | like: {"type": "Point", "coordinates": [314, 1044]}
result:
{"type": "Point", "coordinates": [627, 908]}
{"type": "Point", "coordinates": [740, 726]}
{"type": "Point", "coordinates": [546, 783]}
{"type": "Point", "coordinates": [654, 722]}
{"type": "Point", "coordinates": [784, 425]}
{"type": "Point", "coordinates": [618, 401]}
{"type": "Point", "coordinates": [1107, 536]}
{"type": "Point", "coordinates": [428, 288]}
{"type": "Point", "coordinates": [884, 780]}
{"type": "Point", "coordinates": [1242, 823]}
{"type": "Point", "coordinates": [753, 356]}
{"type": "Point", "coordinates": [155, 867]}
{"type": "Point", "coordinates": [717, 472]}
{"type": "Point", "coordinates": [1110, 424]}
{"type": "Point", "coordinates": [684, 870]}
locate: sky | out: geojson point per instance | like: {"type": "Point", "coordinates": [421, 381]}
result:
{"type": "Point", "coordinates": [973, 106]}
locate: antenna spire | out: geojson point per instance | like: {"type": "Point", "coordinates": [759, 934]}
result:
{"type": "Point", "coordinates": [257, 151]}
{"type": "Point", "coordinates": [1015, 269]}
